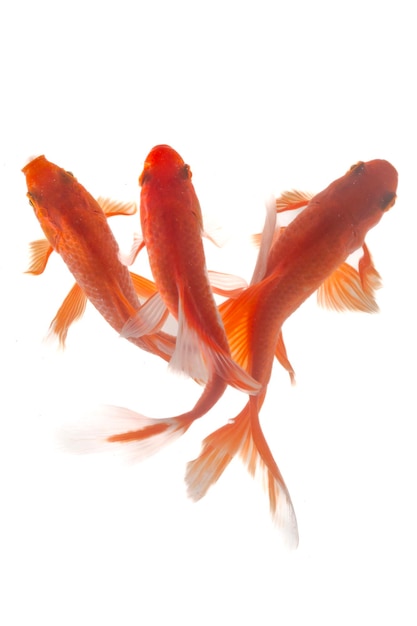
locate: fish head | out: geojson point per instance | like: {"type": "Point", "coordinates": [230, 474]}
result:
{"type": "Point", "coordinates": [49, 189]}
{"type": "Point", "coordinates": [375, 182]}
{"type": "Point", "coordinates": [363, 195]}
{"type": "Point", "coordinates": [164, 163]}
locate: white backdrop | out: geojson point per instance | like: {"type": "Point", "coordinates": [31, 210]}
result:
{"type": "Point", "coordinates": [257, 97]}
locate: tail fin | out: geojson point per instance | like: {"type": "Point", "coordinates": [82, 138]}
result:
{"type": "Point", "coordinates": [111, 428]}
{"type": "Point", "coordinates": [244, 436]}
{"type": "Point", "coordinates": [138, 436]}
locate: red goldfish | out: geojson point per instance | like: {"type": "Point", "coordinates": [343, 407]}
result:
{"type": "Point", "coordinates": [76, 227]}
{"type": "Point", "coordinates": [172, 228]}
{"type": "Point", "coordinates": [308, 254]}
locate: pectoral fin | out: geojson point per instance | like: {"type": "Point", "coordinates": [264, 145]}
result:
{"type": "Point", "coordinates": [70, 310]}
{"type": "Point", "coordinates": [40, 252]}
{"type": "Point", "coordinates": [344, 290]}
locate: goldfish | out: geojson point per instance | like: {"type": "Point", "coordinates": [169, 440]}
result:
{"type": "Point", "coordinates": [76, 227]}
{"type": "Point", "coordinates": [172, 229]}
{"type": "Point", "coordinates": [309, 254]}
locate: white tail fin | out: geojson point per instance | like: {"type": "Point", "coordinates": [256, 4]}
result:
{"type": "Point", "coordinates": [113, 428]}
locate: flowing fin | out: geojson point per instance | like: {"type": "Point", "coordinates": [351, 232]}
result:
{"type": "Point", "coordinates": [188, 357]}
{"type": "Point", "coordinates": [265, 241]}
{"type": "Point", "coordinates": [281, 355]}
{"type": "Point", "coordinates": [161, 344]}
{"type": "Point", "coordinates": [214, 233]}
{"type": "Point", "coordinates": [40, 252]}
{"type": "Point", "coordinates": [144, 287]}
{"type": "Point", "coordinates": [112, 207]}
{"type": "Point", "coordinates": [231, 372]}
{"type": "Point", "coordinates": [71, 309]}
{"type": "Point", "coordinates": [116, 428]}
{"type": "Point", "coordinates": [236, 316]}
{"type": "Point", "coordinates": [243, 436]}
{"type": "Point", "coordinates": [226, 285]}
{"type": "Point", "coordinates": [136, 435]}
{"type": "Point", "coordinates": [235, 321]}
{"type": "Point", "coordinates": [370, 278]}
{"type": "Point", "coordinates": [236, 325]}
{"type": "Point", "coordinates": [343, 291]}
{"type": "Point", "coordinates": [137, 245]}
{"type": "Point", "coordinates": [198, 356]}
{"type": "Point", "coordinates": [149, 319]}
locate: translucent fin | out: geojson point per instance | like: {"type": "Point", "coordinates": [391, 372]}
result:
{"type": "Point", "coordinates": [112, 207]}
{"type": "Point", "coordinates": [214, 233]}
{"type": "Point", "coordinates": [343, 291]}
{"type": "Point", "coordinates": [113, 428]}
{"type": "Point", "coordinates": [226, 285]}
{"type": "Point", "coordinates": [265, 242]}
{"type": "Point", "coordinates": [40, 252]}
{"type": "Point", "coordinates": [149, 319]}
{"type": "Point", "coordinates": [232, 373]}
{"type": "Point", "coordinates": [188, 357]}
{"type": "Point", "coordinates": [199, 357]}
{"type": "Point", "coordinates": [70, 310]}
{"type": "Point", "coordinates": [137, 245]}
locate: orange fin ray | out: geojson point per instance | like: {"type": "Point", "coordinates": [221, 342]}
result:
{"type": "Point", "coordinates": [71, 309]}
{"type": "Point", "coordinates": [144, 287]}
{"type": "Point", "coordinates": [113, 207]}
{"type": "Point", "coordinates": [222, 446]}
{"type": "Point", "coordinates": [343, 291]}
{"type": "Point", "coordinates": [39, 252]}
{"type": "Point", "coordinates": [293, 200]}
{"type": "Point", "coordinates": [149, 319]}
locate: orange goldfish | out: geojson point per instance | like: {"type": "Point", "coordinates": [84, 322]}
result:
{"type": "Point", "coordinates": [76, 227]}
{"type": "Point", "coordinates": [172, 229]}
{"type": "Point", "coordinates": [295, 262]}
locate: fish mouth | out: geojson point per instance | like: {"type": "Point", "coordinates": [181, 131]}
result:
{"type": "Point", "coordinates": [32, 158]}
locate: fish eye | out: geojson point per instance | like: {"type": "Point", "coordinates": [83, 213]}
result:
{"type": "Point", "coordinates": [29, 197]}
{"type": "Point", "coordinates": [186, 172]}
{"type": "Point", "coordinates": [388, 200]}
{"type": "Point", "coordinates": [358, 167]}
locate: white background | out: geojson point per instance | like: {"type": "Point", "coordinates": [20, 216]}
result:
{"type": "Point", "coordinates": [257, 97]}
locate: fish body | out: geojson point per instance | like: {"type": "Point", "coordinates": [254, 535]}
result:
{"type": "Point", "coordinates": [76, 227]}
{"type": "Point", "coordinates": [298, 262]}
